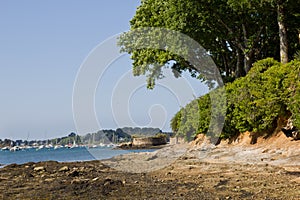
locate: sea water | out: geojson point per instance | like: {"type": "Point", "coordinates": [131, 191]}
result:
{"type": "Point", "coordinates": [62, 154]}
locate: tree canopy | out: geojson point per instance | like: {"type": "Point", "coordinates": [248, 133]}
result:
{"type": "Point", "coordinates": [238, 35]}
{"type": "Point", "coordinates": [234, 33]}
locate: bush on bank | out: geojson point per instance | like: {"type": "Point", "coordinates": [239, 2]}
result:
{"type": "Point", "coordinates": [269, 91]}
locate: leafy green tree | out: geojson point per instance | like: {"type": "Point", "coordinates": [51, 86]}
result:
{"type": "Point", "coordinates": [233, 37]}
{"type": "Point", "coordinates": [288, 21]}
{"type": "Point", "coordinates": [175, 122]}
{"type": "Point", "coordinates": [193, 119]}
{"type": "Point", "coordinates": [188, 126]}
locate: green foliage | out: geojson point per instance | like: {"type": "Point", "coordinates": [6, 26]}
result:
{"type": "Point", "coordinates": [160, 135]}
{"type": "Point", "coordinates": [257, 99]}
{"type": "Point", "coordinates": [192, 119]}
{"type": "Point", "coordinates": [297, 55]}
{"type": "Point", "coordinates": [66, 140]}
{"type": "Point", "coordinates": [141, 132]}
{"type": "Point", "coordinates": [254, 103]}
{"type": "Point", "coordinates": [236, 34]}
{"type": "Point", "coordinates": [292, 86]}
{"type": "Point", "coordinates": [175, 121]}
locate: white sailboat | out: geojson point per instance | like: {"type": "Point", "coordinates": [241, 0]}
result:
{"type": "Point", "coordinates": [40, 147]}
{"type": "Point", "coordinates": [5, 149]}
{"type": "Point", "coordinates": [74, 145]}
{"type": "Point", "coordinates": [15, 148]}
{"type": "Point", "coordinates": [57, 146]}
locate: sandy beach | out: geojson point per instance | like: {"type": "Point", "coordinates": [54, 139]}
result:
{"type": "Point", "coordinates": [269, 169]}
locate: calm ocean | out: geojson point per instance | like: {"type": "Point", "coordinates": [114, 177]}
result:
{"type": "Point", "coordinates": [61, 155]}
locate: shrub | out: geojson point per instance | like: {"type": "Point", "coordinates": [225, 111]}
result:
{"type": "Point", "coordinates": [160, 135]}
{"type": "Point", "coordinates": [254, 103]}
{"type": "Point", "coordinates": [192, 119]}
{"type": "Point", "coordinates": [257, 99]}
{"type": "Point", "coordinates": [292, 90]}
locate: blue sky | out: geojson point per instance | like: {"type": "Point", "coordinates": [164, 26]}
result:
{"type": "Point", "coordinates": [42, 46]}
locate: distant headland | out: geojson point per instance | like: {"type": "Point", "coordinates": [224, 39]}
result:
{"type": "Point", "coordinates": [108, 137]}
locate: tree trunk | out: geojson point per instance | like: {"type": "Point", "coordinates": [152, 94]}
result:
{"type": "Point", "coordinates": [239, 71]}
{"type": "Point", "coordinates": [225, 63]}
{"type": "Point", "coordinates": [248, 61]}
{"type": "Point", "coordinates": [282, 32]}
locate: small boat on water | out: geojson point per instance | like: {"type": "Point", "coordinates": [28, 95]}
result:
{"type": "Point", "coordinates": [40, 147]}
{"type": "Point", "coordinates": [15, 148]}
{"type": "Point", "coordinates": [5, 149]}
{"type": "Point", "coordinates": [49, 146]}
{"type": "Point", "coordinates": [91, 146]}
{"type": "Point", "coordinates": [57, 146]}
{"type": "Point", "coordinates": [74, 145]}
{"type": "Point", "coordinates": [28, 147]}
{"type": "Point", "coordinates": [102, 145]}
{"type": "Point", "coordinates": [111, 145]}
